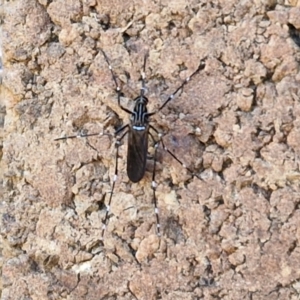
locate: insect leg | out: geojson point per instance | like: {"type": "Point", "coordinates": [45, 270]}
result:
{"type": "Point", "coordinates": [154, 185]}
{"type": "Point", "coordinates": [118, 142]}
{"type": "Point", "coordinates": [172, 96]}
{"type": "Point", "coordinates": [82, 135]}
{"type": "Point", "coordinates": [143, 73]}
{"type": "Point", "coordinates": [172, 154]}
{"type": "Point", "coordinates": [118, 89]}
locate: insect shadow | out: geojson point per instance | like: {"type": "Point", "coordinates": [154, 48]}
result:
{"type": "Point", "coordinates": [138, 130]}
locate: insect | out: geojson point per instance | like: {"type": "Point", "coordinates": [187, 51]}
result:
{"type": "Point", "coordinates": [138, 130]}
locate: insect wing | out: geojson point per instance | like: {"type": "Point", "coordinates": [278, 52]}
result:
{"type": "Point", "coordinates": [137, 154]}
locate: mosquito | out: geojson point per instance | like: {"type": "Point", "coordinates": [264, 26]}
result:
{"type": "Point", "coordinates": [138, 130]}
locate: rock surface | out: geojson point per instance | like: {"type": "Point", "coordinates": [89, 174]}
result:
{"type": "Point", "coordinates": [230, 229]}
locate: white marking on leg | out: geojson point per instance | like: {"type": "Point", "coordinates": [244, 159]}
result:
{"type": "Point", "coordinates": [172, 96]}
{"type": "Point", "coordinates": [154, 184]}
{"type": "Point", "coordinates": [188, 79]}
{"type": "Point", "coordinates": [107, 208]}
{"type": "Point", "coordinates": [184, 166]}
{"type": "Point", "coordinates": [115, 177]}
{"type": "Point", "coordinates": [156, 210]}
{"type": "Point", "coordinates": [110, 67]}
{"type": "Point", "coordinates": [103, 226]}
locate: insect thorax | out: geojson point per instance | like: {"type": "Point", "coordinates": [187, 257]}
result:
{"type": "Point", "coordinates": [139, 118]}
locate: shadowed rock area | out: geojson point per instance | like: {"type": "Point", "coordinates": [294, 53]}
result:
{"type": "Point", "coordinates": [230, 228]}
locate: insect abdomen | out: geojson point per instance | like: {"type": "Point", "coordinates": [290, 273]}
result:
{"type": "Point", "coordinates": [137, 154]}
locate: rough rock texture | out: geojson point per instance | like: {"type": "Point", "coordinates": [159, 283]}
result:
{"type": "Point", "coordinates": [230, 229]}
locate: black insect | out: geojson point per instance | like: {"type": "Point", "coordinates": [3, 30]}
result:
{"type": "Point", "coordinates": [138, 130]}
